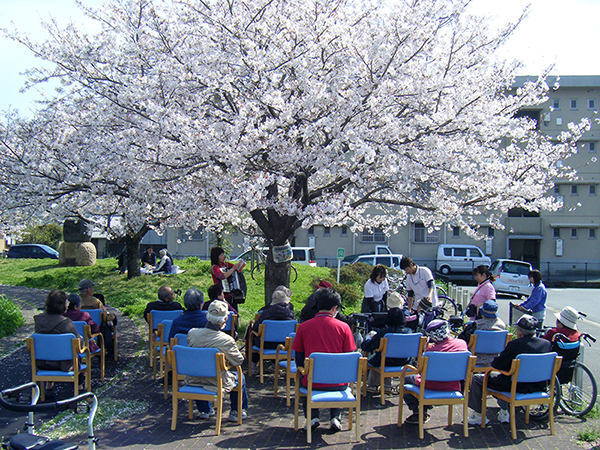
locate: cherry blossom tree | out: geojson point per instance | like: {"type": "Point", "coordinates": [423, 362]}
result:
{"type": "Point", "coordinates": [279, 114]}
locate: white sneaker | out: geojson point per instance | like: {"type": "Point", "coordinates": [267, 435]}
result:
{"type": "Point", "coordinates": [314, 424]}
{"type": "Point", "coordinates": [475, 419]}
{"type": "Point", "coordinates": [233, 415]}
{"type": "Point", "coordinates": [335, 425]}
{"type": "Point", "coordinates": [207, 415]}
{"type": "Point", "coordinates": [504, 416]}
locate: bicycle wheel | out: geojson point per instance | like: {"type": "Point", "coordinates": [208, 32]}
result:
{"type": "Point", "coordinates": [447, 305]}
{"type": "Point", "coordinates": [441, 291]}
{"type": "Point", "coordinates": [578, 397]}
{"type": "Point", "coordinates": [256, 271]}
{"type": "Point", "coordinates": [293, 274]}
{"type": "Point", "coordinates": [540, 413]}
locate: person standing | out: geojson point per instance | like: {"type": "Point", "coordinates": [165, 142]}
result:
{"type": "Point", "coordinates": [376, 291]}
{"type": "Point", "coordinates": [324, 334]}
{"type": "Point", "coordinates": [484, 291]}
{"type": "Point", "coordinates": [420, 283]}
{"type": "Point", "coordinates": [537, 300]}
{"type": "Point", "coordinates": [221, 270]}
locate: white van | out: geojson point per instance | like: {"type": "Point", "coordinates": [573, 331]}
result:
{"type": "Point", "coordinates": [459, 258]}
{"type": "Point", "coordinates": [300, 255]}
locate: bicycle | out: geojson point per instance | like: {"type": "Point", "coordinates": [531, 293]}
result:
{"type": "Point", "coordinates": [259, 261]}
{"type": "Point", "coordinates": [448, 306]}
{"type": "Point", "coordinates": [31, 441]}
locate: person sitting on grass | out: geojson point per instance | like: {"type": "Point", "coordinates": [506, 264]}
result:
{"type": "Point", "coordinates": [193, 316]}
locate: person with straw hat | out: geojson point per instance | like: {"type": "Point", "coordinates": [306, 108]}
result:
{"type": "Point", "coordinates": [566, 323]}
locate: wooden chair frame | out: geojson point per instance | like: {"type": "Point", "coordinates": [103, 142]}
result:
{"type": "Point", "coordinates": [102, 319]}
{"type": "Point", "coordinates": [285, 362]}
{"type": "Point", "coordinates": [87, 336]}
{"type": "Point", "coordinates": [153, 330]}
{"type": "Point", "coordinates": [473, 347]}
{"type": "Point", "coordinates": [264, 354]}
{"type": "Point", "coordinates": [435, 400]}
{"type": "Point", "coordinates": [512, 397]}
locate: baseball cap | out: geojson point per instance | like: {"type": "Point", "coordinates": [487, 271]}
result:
{"type": "Point", "coordinates": [217, 308]}
{"type": "Point", "coordinates": [489, 308]}
{"type": "Point", "coordinates": [86, 284]}
{"type": "Point", "coordinates": [527, 322]}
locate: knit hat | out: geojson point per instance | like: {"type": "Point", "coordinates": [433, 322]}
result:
{"type": "Point", "coordinates": [281, 295]}
{"type": "Point", "coordinates": [324, 285]}
{"type": "Point", "coordinates": [86, 284]}
{"type": "Point", "coordinates": [395, 300]}
{"type": "Point", "coordinates": [489, 308]}
{"type": "Point", "coordinates": [218, 308]}
{"type": "Point", "coordinates": [568, 317]}
{"type": "Point", "coordinates": [438, 330]}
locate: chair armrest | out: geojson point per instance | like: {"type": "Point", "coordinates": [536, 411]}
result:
{"type": "Point", "coordinates": [472, 343]}
{"type": "Point", "coordinates": [410, 369]}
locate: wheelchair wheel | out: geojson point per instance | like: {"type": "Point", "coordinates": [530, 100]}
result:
{"type": "Point", "coordinates": [257, 271]}
{"type": "Point", "coordinates": [447, 306]}
{"type": "Point", "coordinates": [540, 413]}
{"type": "Point", "coordinates": [293, 274]}
{"type": "Point", "coordinates": [578, 397]}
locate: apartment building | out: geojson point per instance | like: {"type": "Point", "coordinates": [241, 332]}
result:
{"type": "Point", "coordinates": [558, 243]}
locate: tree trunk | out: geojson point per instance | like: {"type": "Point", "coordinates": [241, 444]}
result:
{"type": "Point", "coordinates": [276, 274]}
{"type": "Point", "coordinates": [132, 245]}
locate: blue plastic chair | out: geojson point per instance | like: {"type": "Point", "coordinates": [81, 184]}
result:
{"type": "Point", "coordinates": [99, 318]}
{"type": "Point", "coordinates": [269, 331]}
{"type": "Point", "coordinates": [396, 345]}
{"type": "Point", "coordinates": [181, 340]}
{"type": "Point", "coordinates": [330, 368]}
{"type": "Point", "coordinates": [162, 345]}
{"type": "Point", "coordinates": [440, 366]}
{"type": "Point", "coordinates": [85, 331]}
{"type": "Point", "coordinates": [487, 342]}
{"type": "Point", "coordinates": [154, 318]}
{"type": "Point", "coordinates": [526, 368]}
{"type": "Point", "coordinates": [285, 359]}
{"type": "Point", "coordinates": [58, 347]}
{"type": "Point", "coordinates": [201, 362]}
{"type": "Point", "coordinates": [231, 324]}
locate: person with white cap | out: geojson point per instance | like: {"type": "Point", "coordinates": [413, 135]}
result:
{"type": "Point", "coordinates": [211, 337]}
{"type": "Point", "coordinates": [526, 342]}
{"type": "Point", "coordinates": [566, 323]}
{"type": "Point", "coordinates": [439, 341]}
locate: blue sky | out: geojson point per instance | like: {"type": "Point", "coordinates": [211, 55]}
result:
{"type": "Point", "coordinates": [560, 32]}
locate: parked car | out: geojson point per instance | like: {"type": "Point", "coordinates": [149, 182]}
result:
{"type": "Point", "coordinates": [391, 261]}
{"type": "Point", "coordinates": [459, 258]}
{"type": "Point", "coordinates": [32, 251]}
{"type": "Point", "coordinates": [300, 255]}
{"type": "Point", "coordinates": [379, 250]}
{"type": "Point", "coordinates": [512, 277]}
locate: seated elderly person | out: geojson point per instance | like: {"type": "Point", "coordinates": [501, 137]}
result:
{"type": "Point", "coordinates": [566, 324]}
{"type": "Point", "coordinates": [166, 264]}
{"type": "Point", "coordinates": [166, 302]}
{"type": "Point", "coordinates": [211, 337]}
{"type": "Point", "coordinates": [395, 323]}
{"type": "Point", "coordinates": [526, 342]}
{"type": "Point", "coordinates": [74, 313]}
{"type": "Point", "coordinates": [439, 341]}
{"type": "Point", "coordinates": [193, 316]}
{"type": "Point", "coordinates": [280, 308]}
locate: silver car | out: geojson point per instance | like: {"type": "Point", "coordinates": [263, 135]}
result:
{"type": "Point", "coordinates": [512, 277]}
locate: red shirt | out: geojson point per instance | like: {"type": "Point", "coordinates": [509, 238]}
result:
{"type": "Point", "coordinates": [323, 334]}
{"type": "Point", "coordinates": [447, 345]}
{"type": "Point", "coordinates": [573, 335]}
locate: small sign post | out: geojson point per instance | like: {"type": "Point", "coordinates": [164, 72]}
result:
{"type": "Point", "coordinates": [340, 255]}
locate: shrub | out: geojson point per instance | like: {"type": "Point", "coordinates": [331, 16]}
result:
{"type": "Point", "coordinates": [10, 317]}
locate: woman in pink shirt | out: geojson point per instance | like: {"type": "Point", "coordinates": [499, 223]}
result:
{"type": "Point", "coordinates": [484, 291]}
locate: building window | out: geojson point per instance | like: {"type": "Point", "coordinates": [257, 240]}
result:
{"type": "Point", "coordinates": [556, 103]}
{"type": "Point", "coordinates": [592, 147]}
{"type": "Point", "coordinates": [574, 190]}
{"type": "Point", "coordinates": [556, 233]}
{"type": "Point", "coordinates": [574, 103]}
{"type": "Point", "coordinates": [592, 190]}
{"type": "Point", "coordinates": [326, 231]}
{"type": "Point", "coordinates": [592, 234]}
{"type": "Point", "coordinates": [592, 103]}
{"type": "Point", "coordinates": [455, 232]}
{"type": "Point", "coordinates": [422, 235]}
{"type": "Point", "coordinates": [376, 236]}
{"type": "Point", "coordinates": [557, 189]}
{"type": "Point", "coordinates": [311, 231]}
{"type": "Point", "coordinates": [573, 233]}
{"type": "Point", "coordinates": [344, 231]}
{"type": "Point", "coordinates": [491, 232]}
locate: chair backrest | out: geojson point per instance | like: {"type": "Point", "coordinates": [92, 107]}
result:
{"type": "Point", "coordinates": [79, 324]}
{"type": "Point", "coordinates": [229, 322]}
{"type": "Point", "coordinates": [335, 368]}
{"type": "Point", "coordinates": [447, 366]}
{"type": "Point", "coordinates": [293, 336]}
{"type": "Point", "coordinates": [278, 330]}
{"type": "Point", "coordinates": [536, 367]}
{"type": "Point", "coordinates": [96, 315]}
{"type": "Point", "coordinates": [181, 339]}
{"type": "Point", "coordinates": [158, 316]}
{"type": "Point", "coordinates": [196, 362]}
{"type": "Point", "coordinates": [402, 345]}
{"type": "Point", "coordinates": [167, 324]}
{"type": "Point", "coordinates": [489, 342]}
{"type": "Point", "coordinates": [53, 347]}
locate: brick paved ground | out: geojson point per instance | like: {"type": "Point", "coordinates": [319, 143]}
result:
{"type": "Point", "coordinates": [270, 421]}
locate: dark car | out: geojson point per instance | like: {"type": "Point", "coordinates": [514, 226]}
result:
{"type": "Point", "coordinates": [32, 251]}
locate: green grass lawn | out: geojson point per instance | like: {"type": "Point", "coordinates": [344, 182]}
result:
{"type": "Point", "coordinates": [131, 296]}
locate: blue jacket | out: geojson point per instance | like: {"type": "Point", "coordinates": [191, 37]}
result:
{"type": "Point", "coordinates": [537, 300]}
{"type": "Point", "coordinates": [187, 321]}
